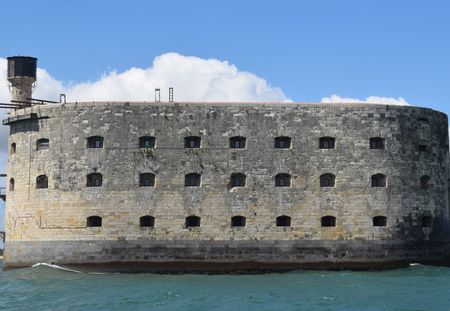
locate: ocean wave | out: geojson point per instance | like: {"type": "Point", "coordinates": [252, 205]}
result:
{"type": "Point", "coordinates": [53, 266]}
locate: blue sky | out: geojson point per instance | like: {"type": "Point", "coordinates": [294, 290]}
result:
{"type": "Point", "coordinates": [307, 49]}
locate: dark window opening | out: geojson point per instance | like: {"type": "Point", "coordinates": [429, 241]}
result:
{"type": "Point", "coordinates": [378, 180]}
{"type": "Point", "coordinates": [237, 180]}
{"type": "Point", "coordinates": [379, 221]}
{"type": "Point", "coordinates": [427, 221]}
{"type": "Point", "coordinates": [42, 144]}
{"type": "Point", "coordinates": [327, 180]}
{"type": "Point", "coordinates": [425, 120]}
{"type": "Point", "coordinates": [282, 180]}
{"type": "Point", "coordinates": [13, 148]}
{"type": "Point", "coordinates": [192, 180]}
{"type": "Point", "coordinates": [283, 221]}
{"type": "Point", "coordinates": [146, 180]}
{"type": "Point", "coordinates": [94, 180]}
{"type": "Point", "coordinates": [192, 142]}
{"type": "Point", "coordinates": [146, 142]}
{"type": "Point", "coordinates": [11, 184]}
{"type": "Point", "coordinates": [147, 221]}
{"type": "Point", "coordinates": [237, 142]}
{"type": "Point", "coordinates": [94, 221]}
{"type": "Point", "coordinates": [192, 221]}
{"type": "Point", "coordinates": [41, 182]}
{"type": "Point", "coordinates": [425, 182]}
{"type": "Point", "coordinates": [238, 221]}
{"type": "Point", "coordinates": [422, 148]}
{"type": "Point", "coordinates": [282, 142]}
{"type": "Point", "coordinates": [377, 143]}
{"type": "Point", "coordinates": [328, 221]}
{"type": "Point", "coordinates": [95, 142]}
{"type": "Point", "coordinates": [326, 142]}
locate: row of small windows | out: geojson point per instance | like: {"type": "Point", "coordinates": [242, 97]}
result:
{"type": "Point", "coordinates": [241, 221]}
{"type": "Point", "coordinates": [236, 142]}
{"type": "Point", "coordinates": [236, 180]}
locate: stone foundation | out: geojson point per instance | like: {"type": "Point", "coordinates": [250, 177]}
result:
{"type": "Point", "coordinates": [225, 256]}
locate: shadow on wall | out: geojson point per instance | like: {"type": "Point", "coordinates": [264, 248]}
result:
{"type": "Point", "coordinates": [22, 127]}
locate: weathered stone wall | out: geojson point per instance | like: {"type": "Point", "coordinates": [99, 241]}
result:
{"type": "Point", "coordinates": [59, 212]}
{"type": "Point", "coordinates": [227, 256]}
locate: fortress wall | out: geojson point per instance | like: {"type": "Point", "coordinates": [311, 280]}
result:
{"type": "Point", "coordinates": [59, 212]}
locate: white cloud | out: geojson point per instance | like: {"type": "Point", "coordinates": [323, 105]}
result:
{"type": "Point", "coordinates": [193, 79]}
{"type": "Point", "coordinates": [335, 99]}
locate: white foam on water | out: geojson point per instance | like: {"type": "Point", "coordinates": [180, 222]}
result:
{"type": "Point", "coordinates": [55, 267]}
{"type": "Point", "coordinates": [414, 264]}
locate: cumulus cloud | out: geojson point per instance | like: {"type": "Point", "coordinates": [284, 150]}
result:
{"type": "Point", "coordinates": [193, 79]}
{"type": "Point", "coordinates": [335, 99]}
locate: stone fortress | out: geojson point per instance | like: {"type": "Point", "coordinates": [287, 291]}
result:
{"type": "Point", "coordinates": [223, 187]}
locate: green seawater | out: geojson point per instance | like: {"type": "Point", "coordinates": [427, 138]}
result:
{"type": "Point", "coordinates": [44, 288]}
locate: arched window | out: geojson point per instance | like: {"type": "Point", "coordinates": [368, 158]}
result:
{"type": "Point", "coordinates": [283, 221]}
{"type": "Point", "coordinates": [326, 142]}
{"type": "Point", "coordinates": [11, 184]}
{"type": "Point", "coordinates": [42, 144]}
{"type": "Point", "coordinates": [192, 180]}
{"type": "Point", "coordinates": [425, 182]}
{"type": "Point", "coordinates": [146, 180]}
{"type": "Point", "coordinates": [377, 143]}
{"type": "Point", "coordinates": [378, 180]}
{"type": "Point", "coordinates": [379, 221]}
{"type": "Point", "coordinates": [238, 221]}
{"type": "Point", "coordinates": [94, 180]}
{"type": "Point", "coordinates": [13, 148]}
{"type": "Point", "coordinates": [147, 142]}
{"type": "Point", "coordinates": [147, 221]}
{"type": "Point", "coordinates": [94, 221]}
{"type": "Point", "coordinates": [95, 142]}
{"type": "Point", "coordinates": [328, 221]}
{"type": "Point", "coordinates": [282, 180]}
{"type": "Point", "coordinates": [192, 221]}
{"type": "Point", "coordinates": [282, 142]}
{"type": "Point", "coordinates": [192, 142]}
{"type": "Point", "coordinates": [237, 142]}
{"type": "Point", "coordinates": [327, 180]}
{"type": "Point", "coordinates": [427, 221]}
{"type": "Point", "coordinates": [237, 180]}
{"type": "Point", "coordinates": [41, 182]}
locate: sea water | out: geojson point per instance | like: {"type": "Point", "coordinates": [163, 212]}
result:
{"type": "Point", "coordinates": [47, 288]}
